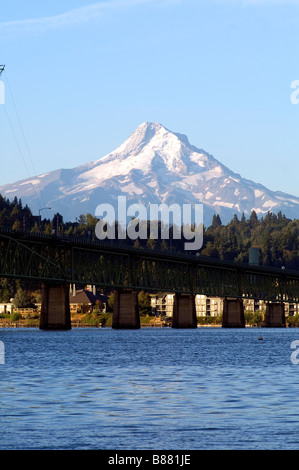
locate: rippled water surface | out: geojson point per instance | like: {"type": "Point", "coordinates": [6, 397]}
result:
{"type": "Point", "coordinates": [153, 388]}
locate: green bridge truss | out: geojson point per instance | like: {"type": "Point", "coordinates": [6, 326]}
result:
{"type": "Point", "coordinates": [63, 260]}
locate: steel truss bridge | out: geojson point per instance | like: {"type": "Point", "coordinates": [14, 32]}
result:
{"type": "Point", "coordinates": [65, 260]}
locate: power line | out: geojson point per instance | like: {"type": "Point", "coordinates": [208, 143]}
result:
{"type": "Point", "coordinates": [20, 150]}
{"type": "Point", "coordinates": [24, 138]}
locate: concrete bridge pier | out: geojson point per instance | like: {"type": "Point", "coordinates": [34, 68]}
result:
{"type": "Point", "coordinates": [233, 313]}
{"type": "Point", "coordinates": [55, 312]}
{"type": "Point", "coordinates": [275, 315]}
{"type": "Point", "coordinates": [184, 312]}
{"type": "Point", "coordinates": [125, 311]}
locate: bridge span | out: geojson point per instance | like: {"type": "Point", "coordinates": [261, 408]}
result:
{"type": "Point", "coordinates": [57, 262]}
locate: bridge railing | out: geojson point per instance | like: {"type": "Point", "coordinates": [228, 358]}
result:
{"type": "Point", "coordinates": [80, 260]}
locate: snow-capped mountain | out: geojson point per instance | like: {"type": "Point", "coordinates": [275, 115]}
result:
{"type": "Point", "coordinates": [153, 165]}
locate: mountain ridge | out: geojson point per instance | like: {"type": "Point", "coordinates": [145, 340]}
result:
{"type": "Point", "coordinates": [153, 165]}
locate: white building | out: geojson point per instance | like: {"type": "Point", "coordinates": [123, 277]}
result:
{"type": "Point", "coordinates": [162, 304]}
{"type": "Point", "coordinates": [6, 308]}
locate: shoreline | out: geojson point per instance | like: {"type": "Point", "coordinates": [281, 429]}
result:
{"type": "Point", "coordinates": [76, 324]}
{"type": "Point", "coordinates": [16, 325]}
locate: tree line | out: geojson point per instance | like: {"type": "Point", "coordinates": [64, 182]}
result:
{"type": "Point", "coordinates": [276, 236]}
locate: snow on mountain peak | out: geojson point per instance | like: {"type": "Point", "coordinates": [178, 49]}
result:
{"type": "Point", "coordinates": [150, 144]}
{"type": "Point", "coordinates": [152, 165]}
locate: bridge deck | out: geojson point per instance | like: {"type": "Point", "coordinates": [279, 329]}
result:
{"type": "Point", "coordinates": [72, 260]}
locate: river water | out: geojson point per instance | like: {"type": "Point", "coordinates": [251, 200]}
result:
{"type": "Point", "coordinates": [149, 389]}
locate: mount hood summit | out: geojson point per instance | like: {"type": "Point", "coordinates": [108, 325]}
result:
{"type": "Point", "coordinates": [154, 165]}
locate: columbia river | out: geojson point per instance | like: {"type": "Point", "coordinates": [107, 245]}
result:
{"type": "Point", "coordinates": [150, 389]}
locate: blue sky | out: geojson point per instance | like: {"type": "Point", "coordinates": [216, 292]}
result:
{"type": "Point", "coordinates": [84, 74]}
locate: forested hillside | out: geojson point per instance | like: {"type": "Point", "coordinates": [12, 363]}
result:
{"type": "Point", "coordinates": [276, 236]}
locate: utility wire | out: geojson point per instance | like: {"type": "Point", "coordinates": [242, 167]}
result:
{"type": "Point", "coordinates": [25, 141]}
{"type": "Point", "coordinates": [20, 150]}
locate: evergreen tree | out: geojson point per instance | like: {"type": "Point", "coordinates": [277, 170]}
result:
{"type": "Point", "coordinates": [216, 221]}
{"type": "Point", "coordinates": [23, 299]}
{"type": "Point", "coordinates": [253, 221]}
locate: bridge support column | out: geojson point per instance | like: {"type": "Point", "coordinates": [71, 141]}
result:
{"type": "Point", "coordinates": [125, 311]}
{"type": "Point", "coordinates": [233, 313]}
{"type": "Point", "coordinates": [184, 313]}
{"type": "Point", "coordinates": [275, 315]}
{"type": "Point", "coordinates": [55, 313]}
